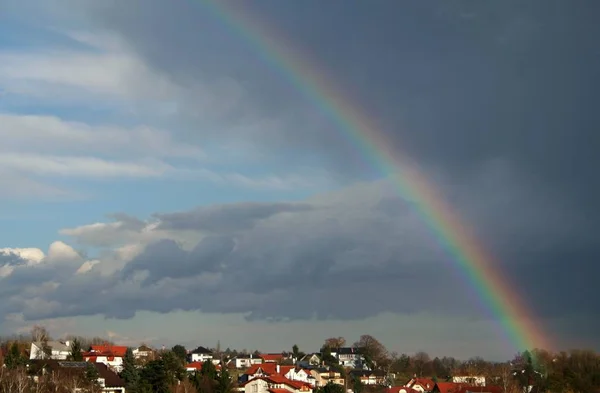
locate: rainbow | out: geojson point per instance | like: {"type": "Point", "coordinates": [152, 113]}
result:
{"type": "Point", "coordinates": [469, 256]}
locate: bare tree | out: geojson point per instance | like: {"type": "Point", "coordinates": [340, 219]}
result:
{"type": "Point", "coordinates": [373, 351]}
{"type": "Point", "coordinates": [39, 334]}
{"type": "Point", "coordinates": [420, 360]}
{"type": "Point", "coordinates": [335, 342]}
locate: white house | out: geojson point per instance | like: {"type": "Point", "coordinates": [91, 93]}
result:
{"type": "Point", "coordinates": [275, 384]}
{"type": "Point", "coordinates": [200, 354]}
{"type": "Point", "coordinates": [349, 357]}
{"type": "Point", "coordinates": [473, 380]}
{"type": "Point", "coordinates": [60, 350]}
{"type": "Point", "coordinates": [298, 374]}
{"type": "Point", "coordinates": [245, 361]}
{"type": "Point", "coordinates": [143, 352]}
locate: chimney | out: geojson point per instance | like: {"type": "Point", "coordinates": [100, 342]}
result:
{"type": "Point", "coordinates": [68, 343]}
{"type": "Point", "coordinates": [278, 369]}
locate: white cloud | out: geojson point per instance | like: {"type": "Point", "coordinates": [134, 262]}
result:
{"type": "Point", "coordinates": [40, 133]}
{"type": "Point", "coordinates": [80, 166]}
{"type": "Point", "coordinates": [31, 255]}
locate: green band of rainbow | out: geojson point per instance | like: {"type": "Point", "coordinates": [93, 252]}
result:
{"type": "Point", "coordinates": [467, 253]}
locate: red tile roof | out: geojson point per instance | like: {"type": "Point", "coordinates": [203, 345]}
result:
{"type": "Point", "coordinates": [397, 389]}
{"type": "Point", "coordinates": [426, 383]}
{"type": "Point", "coordinates": [271, 357]}
{"type": "Point", "coordinates": [458, 387]}
{"type": "Point", "coordinates": [198, 366]}
{"type": "Point", "coordinates": [267, 368]}
{"type": "Point", "coordinates": [480, 389]}
{"type": "Point", "coordinates": [279, 391]}
{"type": "Point", "coordinates": [449, 387]}
{"type": "Point", "coordinates": [281, 380]}
{"type": "Point", "coordinates": [113, 350]}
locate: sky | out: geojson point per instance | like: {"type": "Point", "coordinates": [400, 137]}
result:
{"type": "Point", "coordinates": [165, 182]}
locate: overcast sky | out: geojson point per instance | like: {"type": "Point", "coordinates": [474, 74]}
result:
{"type": "Point", "coordinates": [164, 182]}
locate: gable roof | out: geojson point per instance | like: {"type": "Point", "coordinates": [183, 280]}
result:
{"type": "Point", "coordinates": [108, 350]}
{"type": "Point", "coordinates": [426, 383]}
{"type": "Point", "coordinates": [55, 345]}
{"type": "Point", "coordinates": [398, 389]}
{"type": "Point", "coordinates": [111, 379]}
{"type": "Point", "coordinates": [202, 350]}
{"type": "Point", "coordinates": [273, 357]}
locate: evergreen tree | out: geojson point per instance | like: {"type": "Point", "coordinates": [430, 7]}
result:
{"type": "Point", "coordinates": [357, 385]}
{"type": "Point", "coordinates": [180, 352]}
{"type": "Point", "coordinates": [91, 377]}
{"type": "Point", "coordinates": [331, 388]}
{"type": "Point", "coordinates": [75, 353]}
{"type": "Point", "coordinates": [224, 382]}
{"type": "Point", "coordinates": [154, 376]}
{"type": "Point", "coordinates": [130, 373]}
{"type": "Point", "coordinates": [14, 358]}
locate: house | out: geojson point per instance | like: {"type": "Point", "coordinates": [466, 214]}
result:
{"type": "Point", "coordinates": [108, 380]}
{"type": "Point", "coordinates": [368, 377]}
{"type": "Point", "coordinates": [200, 354]}
{"type": "Point", "coordinates": [275, 384]}
{"type": "Point", "coordinates": [264, 370]}
{"type": "Point", "coordinates": [349, 357]}
{"type": "Point", "coordinates": [475, 380]}
{"type": "Point", "coordinates": [110, 355]}
{"type": "Point", "coordinates": [244, 361]}
{"type": "Point", "coordinates": [143, 352]}
{"type": "Point", "coordinates": [301, 375]}
{"type": "Point", "coordinates": [312, 359]}
{"type": "Point", "coordinates": [420, 384]}
{"type": "Point", "coordinates": [60, 350]}
{"type": "Point", "coordinates": [323, 376]}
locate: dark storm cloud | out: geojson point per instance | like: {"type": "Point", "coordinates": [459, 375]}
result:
{"type": "Point", "coordinates": [454, 84]}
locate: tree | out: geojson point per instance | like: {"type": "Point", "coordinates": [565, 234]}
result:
{"type": "Point", "coordinates": [335, 342]}
{"type": "Point", "coordinates": [154, 376]}
{"type": "Point", "coordinates": [420, 360]}
{"type": "Point", "coordinates": [439, 371]}
{"type": "Point", "coordinates": [40, 336]}
{"type": "Point", "coordinates": [91, 377]}
{"type": "Point", "coordinates": [296, 354]}
{"type": "Point", "coordinates": [14, 358]}
{"type": "Point", "coordinates": [224, 382]}
{"type": "Point", "coordinates": [357, 385]}
{"type": "Point", "coordinates": [180, 352]}
{"type": "Point", "coordinates": [75, 353]}
{"type": "Point", "coordinates": [173, 367]}
{"type": "Point", "coordinates": [376, 355]}
{"type": "Point", "coordinates": [332, 388]}
{"type": "Point", "coordinates": [130, 373]}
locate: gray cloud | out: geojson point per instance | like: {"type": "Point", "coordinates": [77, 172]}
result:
{"type": "Point", "coordinates": [347, 255]}
{"type": "Point", "coordinates": [226, 217]}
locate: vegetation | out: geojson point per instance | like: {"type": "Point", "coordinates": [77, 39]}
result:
{"type": "Point", "coordinates": [576, 371]}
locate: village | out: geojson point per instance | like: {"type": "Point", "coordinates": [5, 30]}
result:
{"type": "Point", "coordinates": [78, 364]}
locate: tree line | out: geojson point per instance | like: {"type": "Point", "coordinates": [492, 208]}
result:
{"type": "Point", "coordinates": [568, 372]}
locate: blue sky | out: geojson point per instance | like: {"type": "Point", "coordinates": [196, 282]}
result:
{"type": "Point", "coordinates": [150, 154]}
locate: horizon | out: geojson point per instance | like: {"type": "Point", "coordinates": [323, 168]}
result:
{"type": "Point", "coordinates": [275, 172]}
